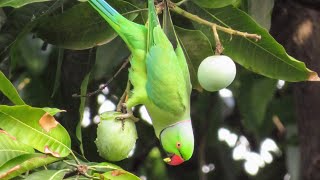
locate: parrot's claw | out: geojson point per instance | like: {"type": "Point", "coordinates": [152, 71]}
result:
{"type": "Point", "coordinates": [128, 115]}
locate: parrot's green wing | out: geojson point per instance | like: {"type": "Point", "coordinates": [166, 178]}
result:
{"type": "Point", "coordinates": [132, 33]}
{"type": "Point", "coordinates": [166, 83]}
{"type": "Point", "coordinates": [169, 30]}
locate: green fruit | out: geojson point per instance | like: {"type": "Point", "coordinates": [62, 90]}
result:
{"type": "Point", "coordinates": [115, 138]}
{"type": "Point", "coordinates": [216, 72]}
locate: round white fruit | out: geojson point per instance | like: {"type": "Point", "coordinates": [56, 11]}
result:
{"type": "Point", "coordinates": [115, 138]}
{"type": "Point", "coordinates": [216, 72]}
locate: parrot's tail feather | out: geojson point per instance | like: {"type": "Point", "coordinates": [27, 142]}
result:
{"type": "Point", "coordinates": [104, 9]}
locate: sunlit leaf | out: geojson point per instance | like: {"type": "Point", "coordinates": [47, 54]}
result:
{"type": "Point", "coordinates": [118, 174]}
{"type": "Point", "coordinates": [9, 90]}
{"type": "Point", "coordinates": [23, 163]}
{"type": "Point", "coordinates": [37, 128]}
{"type": "Point", "coordinates": [103, 167]}
{"type": "Point", "coordinates": [10, 147]}
{"type": "Point", "coordinates": [48, 174]}
{"type": "Point", "coordinates": [18, 3]}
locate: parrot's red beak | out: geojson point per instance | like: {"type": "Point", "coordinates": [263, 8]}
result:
{"type": "Point", "coordinates": [174, 160]}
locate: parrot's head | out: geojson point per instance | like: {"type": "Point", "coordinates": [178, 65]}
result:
{"type": "Point", "coordinates": [178, 142]}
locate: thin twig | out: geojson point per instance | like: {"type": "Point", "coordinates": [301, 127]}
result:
{"type": "Point", "coordinates": [105, 85]}
{"type": "Point", "coordinates": [196, 18]}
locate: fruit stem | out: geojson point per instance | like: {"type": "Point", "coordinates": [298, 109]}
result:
{"type": "Point", "coordinates": [219, 47]}
{"type": "Point", "coordinates": [199, 20]}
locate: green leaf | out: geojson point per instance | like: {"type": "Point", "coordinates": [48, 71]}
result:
{"type": "Point", "coordinates": [261, 10]}
{"type": "Point", "coordinates": [52, 111]}
{"type": "Point", "coordinates": [103, 167]}
{"type": "Point", "coordinates": [77, 177]}
{"type": "Point", "coordinates": [18, 3]}
{"type": "Point", "coordinates": [24, 163]}
{"type": "Point", "coordinates": [48, 174]}
{"type": "Point", "coordinates": [213, 3]}
{"type": "Point", "coordinates": [265, 57]}
{"type": "Point", "coordinates": [10, 147]}
{"type": "Point", "coordinates": [253, 98]}
{"type": "Point", "coordinates": [83, 89]}
{"type": "Point", "coordinates": [109, 57]}
{"type": "Point", "coordinates": [35, 58]}
{"type": "Point", "coordinates": [72, 31]}
{"type": "Point", "coordinates": [58, 71]}
{"type": "Point", "coordinates": [196, 47]}
{"type": "Point", "coordinates": [111, 171]}
{"type": "Point", "coordinates": [9, 90]}
{"type": "Point", "coordinates": [37, 128]}
{"type": "Point", "coordinates": [118, 174]}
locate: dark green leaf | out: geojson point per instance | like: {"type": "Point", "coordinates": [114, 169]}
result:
{"type": "Point", "coordinates": [196, 48]}
{"type": "Point", "coordinates": [214, 3]}
{"type": "Point", "coordinates": [74, 31]}
{"type": "Point", "coordinates": [265, 57]}
{"type": "Point", "coordinates": [9, 90]}
{"type": "Point", "coordinates": [58, 71]}
{"type": "Point", "coordinates": [260, 10]}
{"type": "Point", "coordinates": [40, 129]}
{"type": "Point", "coordinates": [24, 163]}
{"type": "Point", "coordinates": [83, 89]}
{"type": "Point", "coordinates": [254, 96]}
{"type": "Point", "coordinates": [108, 57]}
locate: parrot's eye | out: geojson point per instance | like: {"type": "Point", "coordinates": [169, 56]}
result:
{"type": "Point", "coordinates": [178, 145]}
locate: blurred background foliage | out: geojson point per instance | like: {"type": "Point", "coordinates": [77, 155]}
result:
{"type": "Point", "coordinates": [52, 50]}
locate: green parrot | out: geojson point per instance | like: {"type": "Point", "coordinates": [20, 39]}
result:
{"type": "Point", "coordinates": [160, 78]}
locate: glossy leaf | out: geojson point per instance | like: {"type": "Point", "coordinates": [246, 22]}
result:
{"type": "Point", "coordinates": [37, 128]}
{"type": "Point", "coordinates": [72, 31]}
{"type": "Point", "coordinates": [24, 163]}
{"type": "Point", "coordinates": [18, 3]}
{"type": "Point", "coordinates": [103, 167]}
{"type": "Point", "coordinates": [9, 90]}
{"type": "Point", "coordinates": [10, 147]}
{"type": "Point", "coordinates": [48, 174]}
{"type": "Point", "coordinates": [214, 3]}
{"type": "Point", "coordinates": [265, 57]}
{"type": "Point", "coordinates": [196, 48]}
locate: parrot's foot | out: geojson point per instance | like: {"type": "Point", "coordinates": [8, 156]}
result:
{"type": "Point", "coordinates": [128, 115]}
